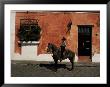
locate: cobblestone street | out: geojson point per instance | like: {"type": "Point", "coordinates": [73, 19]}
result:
{"type": "Point", "coordinates": [47, 69]}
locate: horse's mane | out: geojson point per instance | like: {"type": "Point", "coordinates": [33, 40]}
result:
{"type": "Point", "coordinates": [53, 45]}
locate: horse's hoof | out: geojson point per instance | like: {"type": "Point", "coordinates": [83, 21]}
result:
{"type": "Point", "coordinates": [55, 71]}
{"type": "Point", "coordinates": [69, 69]}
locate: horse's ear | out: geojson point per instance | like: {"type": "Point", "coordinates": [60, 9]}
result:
{"type": "Point", "coordinates": [48, 43]}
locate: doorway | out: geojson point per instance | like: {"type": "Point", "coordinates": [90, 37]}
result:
{"type": "Point", "coordinates": [84, 40]}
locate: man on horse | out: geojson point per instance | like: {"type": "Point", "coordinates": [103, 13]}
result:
{"type": "Point", "coordinates": [63, 45]}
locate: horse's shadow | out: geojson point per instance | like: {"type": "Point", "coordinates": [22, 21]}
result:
{"type": "Point", "coordinates": [53, 67]}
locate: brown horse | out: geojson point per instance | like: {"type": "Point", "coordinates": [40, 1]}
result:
{"type": "Point", "coordinates": [57, 54]}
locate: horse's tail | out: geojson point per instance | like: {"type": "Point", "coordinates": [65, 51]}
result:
{"type": "Point", "coordinates": [71, 56]}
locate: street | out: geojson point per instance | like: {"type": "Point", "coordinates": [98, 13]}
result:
{"type": "Point", "coordinates": [47, 69]}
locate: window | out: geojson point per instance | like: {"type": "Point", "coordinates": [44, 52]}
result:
{"type": "Point", "coordinates": [29, 30]}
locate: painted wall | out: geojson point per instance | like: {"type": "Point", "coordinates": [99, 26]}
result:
{"type": "Point", "coordinates": [54, 27]}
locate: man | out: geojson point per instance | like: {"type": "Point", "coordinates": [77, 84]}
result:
{"type": "Point", "coordinates": [63, 45]}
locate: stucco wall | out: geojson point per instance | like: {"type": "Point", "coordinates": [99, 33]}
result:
{"type": "Point", "coordinates": [54, 27]}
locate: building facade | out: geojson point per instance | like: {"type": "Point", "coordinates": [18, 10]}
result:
{"type": "Point", "coordinates": [81, 30]}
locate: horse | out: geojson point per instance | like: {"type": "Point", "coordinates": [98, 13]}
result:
{"type": "Point", "coordinates": [51, 48]}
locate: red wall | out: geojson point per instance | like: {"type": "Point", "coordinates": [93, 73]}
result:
{"type": "Point", "coordinates": [54, 27]}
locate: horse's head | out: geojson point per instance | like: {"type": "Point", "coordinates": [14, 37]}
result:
{"type": "Point", "coordinates": [49, 48]}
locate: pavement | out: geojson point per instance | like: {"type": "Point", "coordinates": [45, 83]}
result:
{"type": "Point", "coordinates": [47, 69]}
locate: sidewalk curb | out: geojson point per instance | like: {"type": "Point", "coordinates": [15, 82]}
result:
{"type": "Point", "coordinates": [77, 64]}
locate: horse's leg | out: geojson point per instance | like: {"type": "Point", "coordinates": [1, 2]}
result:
{"type": "Point", "coordinates": [72, 63]}
{"type": "Point", "coordinates": [56, 62]}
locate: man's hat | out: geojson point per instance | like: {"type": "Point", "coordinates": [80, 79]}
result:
{"type": "Point", "coordinates": [63, 38]}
